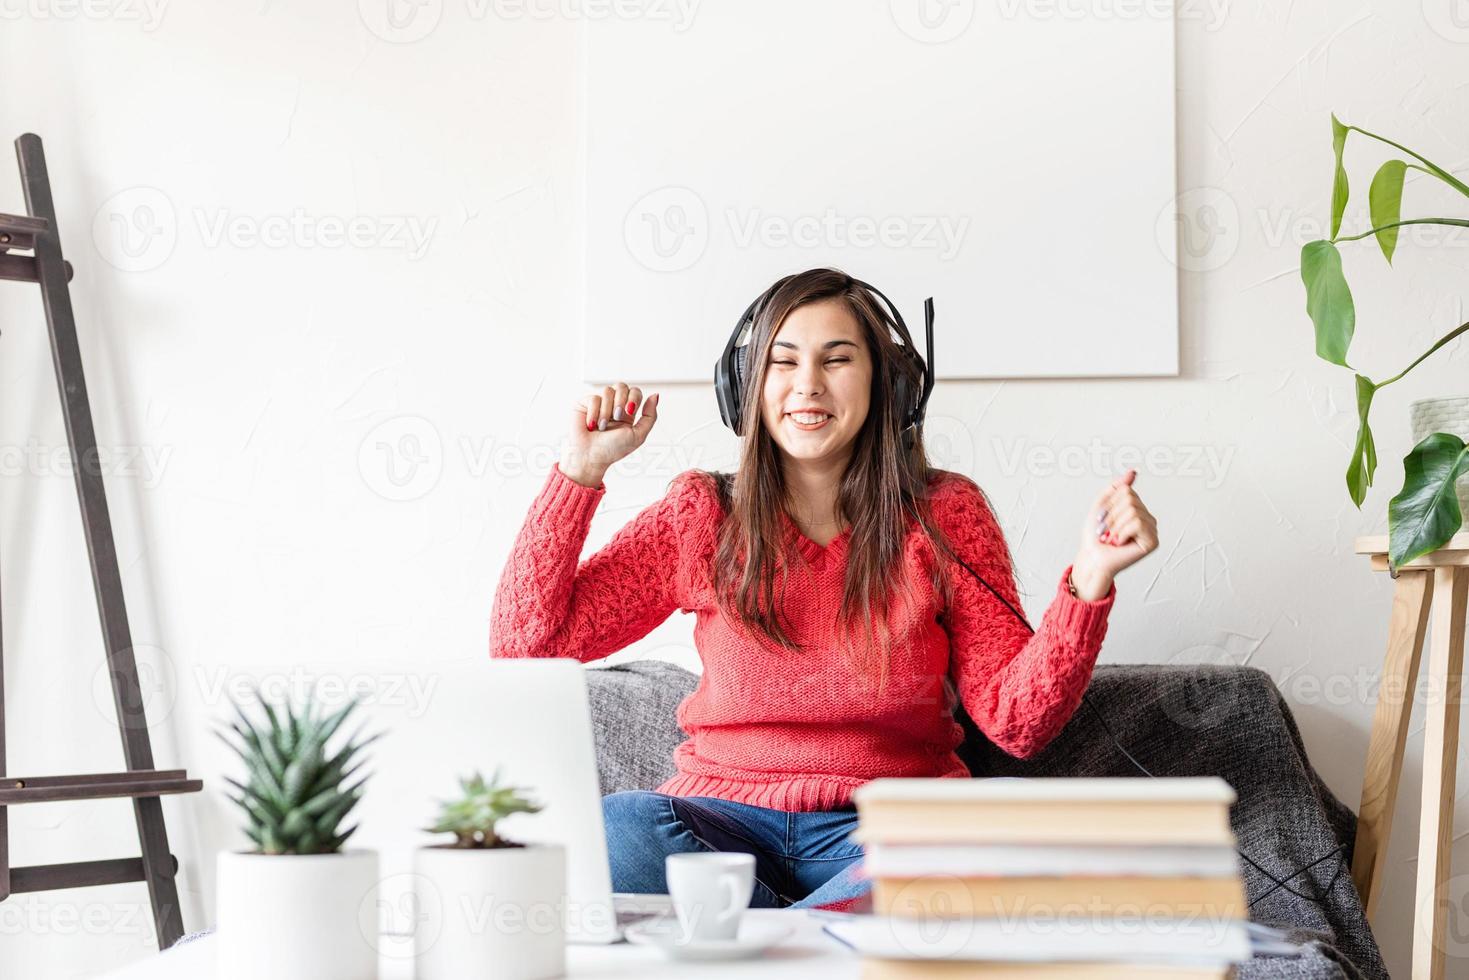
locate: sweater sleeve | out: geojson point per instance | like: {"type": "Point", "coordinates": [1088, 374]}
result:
{"type": "Point", "coordinates": [1019, 688]}
{"type": "Point", "coordinates": [550, 604]}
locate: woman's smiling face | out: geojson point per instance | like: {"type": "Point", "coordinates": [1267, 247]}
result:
{"type": "Point", "coordinates": [819, 363]}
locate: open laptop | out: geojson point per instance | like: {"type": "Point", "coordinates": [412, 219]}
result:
{"type": "Point", "coordinates": [535, 724]}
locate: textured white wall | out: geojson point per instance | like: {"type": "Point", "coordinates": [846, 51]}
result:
{"type": "Point", "coordinates": [321, 452]}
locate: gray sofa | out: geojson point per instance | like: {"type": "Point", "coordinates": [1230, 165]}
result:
{"type": "Point", "coordinates": [1177, 721]}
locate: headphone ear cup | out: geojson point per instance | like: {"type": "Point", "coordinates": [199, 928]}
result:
{"type": "Point", "coordinates": [738, 394]}
{"type": "Point", "coordinates": [903, 400]}
{"type": "Point", "coordinates": [905, 395]}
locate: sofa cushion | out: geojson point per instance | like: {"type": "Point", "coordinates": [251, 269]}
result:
{"type": "Point", "coordinates": [634, 723]}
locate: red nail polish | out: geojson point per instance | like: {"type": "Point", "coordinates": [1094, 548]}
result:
{"type": "Point", "coordinates": [591, 426]}
{"type": "Point", "coordinates": [632, 407]}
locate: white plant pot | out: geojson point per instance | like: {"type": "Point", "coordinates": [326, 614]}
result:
{"type": "Point", "coordinates": [487, 913]}
{"type": "Point", "coordinates": [298, 916]}
{"type": "Point", "coordinates": [1450, 415]}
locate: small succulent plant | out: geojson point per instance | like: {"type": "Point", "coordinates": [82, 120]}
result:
{"type": "Point", "coordinates": [471, 818]}
{"type": "Point", "coordinates": [296, 796]}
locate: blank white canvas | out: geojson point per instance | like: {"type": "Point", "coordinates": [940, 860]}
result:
{"type": "Point", "coordinates": [1013, 159]}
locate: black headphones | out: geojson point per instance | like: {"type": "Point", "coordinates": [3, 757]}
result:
{"type": "Point", "coordinates": [729, 370]}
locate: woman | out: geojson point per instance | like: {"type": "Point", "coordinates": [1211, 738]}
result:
{"type": "Point", "coordinates": [836, 625]}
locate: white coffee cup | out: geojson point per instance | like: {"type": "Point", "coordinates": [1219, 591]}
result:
{"type": "Point", "coordinates": [710, 891]}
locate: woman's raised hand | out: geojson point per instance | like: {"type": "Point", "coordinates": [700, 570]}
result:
{"type": "Point", "coordinates": [1118, 531]}
{"type": "Point", "coordinates": [605, 427]}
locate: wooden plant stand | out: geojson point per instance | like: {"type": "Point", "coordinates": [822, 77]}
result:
{"type": "Point", "coordinates": [1432, 587]}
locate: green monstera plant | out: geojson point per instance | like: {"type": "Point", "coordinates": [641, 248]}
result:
{"type": "Point", "coordinates": [1425, 513]}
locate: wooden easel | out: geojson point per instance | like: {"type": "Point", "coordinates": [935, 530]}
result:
{"type": "Point", "coordinates": [1435, 586]}
{"type": "Point", "coordinates": [37, 234]}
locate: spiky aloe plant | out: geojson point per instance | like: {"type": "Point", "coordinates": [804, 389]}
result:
{"type": "Point", "coordinates": [296, 795]}
{"type": "Point", "coordinates": [472, 817]}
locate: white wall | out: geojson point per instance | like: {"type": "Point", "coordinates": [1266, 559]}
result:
{"type": "Point", "coordinates": [265, 532]}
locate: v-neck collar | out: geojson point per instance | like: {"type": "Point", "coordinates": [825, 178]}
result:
{"type": "Point", "coordinates": [813, 551]}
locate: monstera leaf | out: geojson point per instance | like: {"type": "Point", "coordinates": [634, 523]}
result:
{"type": "Point", "coordinates": [1328, 300]}
{"type": "Point", "coordinates": [1426, 514]}
{"type": "Point", "coordinates": [1364, 455]}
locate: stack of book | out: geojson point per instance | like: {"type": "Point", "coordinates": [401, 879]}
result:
{"type": "Point", "coordinates": [1050, 878]}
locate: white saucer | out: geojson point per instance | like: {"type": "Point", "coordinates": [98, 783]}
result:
{"type": "Point", "coordinates": [665, 933]}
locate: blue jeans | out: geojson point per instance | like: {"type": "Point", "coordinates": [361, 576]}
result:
{"type": "Point", "coordinates": [801, 859]}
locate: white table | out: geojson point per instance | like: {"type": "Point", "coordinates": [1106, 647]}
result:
{"type": "Point", "coordinates": [807, 953]}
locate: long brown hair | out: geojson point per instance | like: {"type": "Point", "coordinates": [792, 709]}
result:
{"type": "Point", "coordinates": [885, 485]}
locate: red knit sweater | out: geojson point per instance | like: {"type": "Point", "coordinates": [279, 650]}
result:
{"type": "Point", "coordinates": [801, 731]}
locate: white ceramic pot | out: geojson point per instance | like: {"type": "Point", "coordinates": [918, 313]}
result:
{"type": "Point", "coordinates": [1444, 415]}
{"type": "Point", "coordinates": [495, 912]}
{"type": "Point", "coordinates": [298, 916]}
